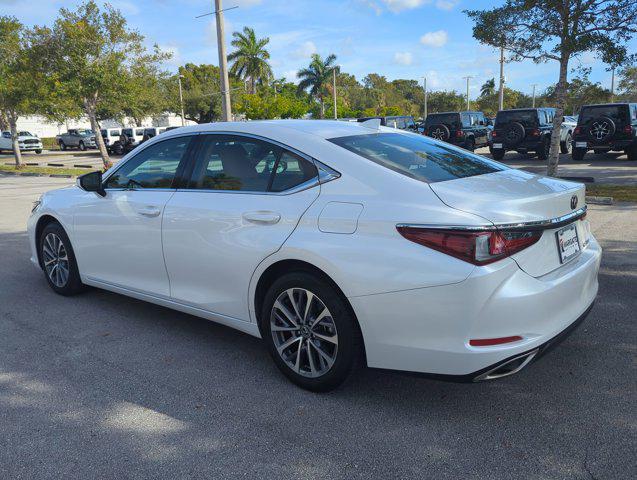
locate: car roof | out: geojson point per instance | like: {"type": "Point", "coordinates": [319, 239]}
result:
{"type": "Point", "coordinates": [320, 128]}
{"type": "Point", "coordinates": [617, 104]}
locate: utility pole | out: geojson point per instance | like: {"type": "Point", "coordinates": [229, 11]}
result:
{"type": "Point", "coordinates": [533, 85]}
{"type": "Point", "coordinates": [468, 77]}
{"type": "Point", "coordinates": [226, 113]}
{"type": "Point", "coordinates": [612, 85]}
{"type": "Point", "coordinates": [181, 101]}
{"type": "Point", "coordinates": [424, 87]}
{"type": "Point", "coordinates": [334, 92]}
{"type": "Point", "coordinates": [501, 89]}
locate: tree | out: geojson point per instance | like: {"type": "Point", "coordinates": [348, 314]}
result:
{"type": "Point", "coordinates": [488, 88]}
{"type": "Point", "coordinates": [250, 58]}
{"type": "Point", "coordinates": [579, 91]}
{"type": "Point", "coordinates": [628, 84]}
{"type": "Point", "coordinates": [91, 55]}
{"type": "Point", "coordinates": [446, 101]}
{"type": "Point", "coordinates": [144, 96]}
{"type": "Point", "coordinates": [512, 99]}
{"type": "Point", "coordinates": [558, 30]}
{"type": "Point", "coordinates": [316, 77]}
{"type": "Point", "coordinates": [20, 83]}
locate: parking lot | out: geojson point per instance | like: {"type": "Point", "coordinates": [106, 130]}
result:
{"type": "Point", "coordinates": [104, 386]}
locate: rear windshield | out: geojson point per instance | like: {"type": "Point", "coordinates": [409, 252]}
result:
{"type": "Point", "coordinates": [417, 157]}
{"type": "Point", "coordinates": [618, 113]}
{"type": "Point", "coordinates": [528, 118]}
{"type": "Point", "coordinates": [449, 119]}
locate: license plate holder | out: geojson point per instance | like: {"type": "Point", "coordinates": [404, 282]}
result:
{"type": "Point", "coordinates": [498, 146]}
{"type": "Point", "coordinates": [568, 245]}
{"type": "Point", "coordinates": [580, 145]}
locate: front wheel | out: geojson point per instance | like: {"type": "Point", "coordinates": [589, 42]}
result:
{"type": "Point", "coordinates": [497, 153]}
{"type": "Point", "coordinates": [82, 146]}
{"type": "Point", "coordinates": [310, 331]}
{"type": "Point", "coordinates": [471, 144]}
{"type": "Point", "coordinates": [567, 145]}
{"type": "Point", "coordinates": [62, 146]}
{"type": "Point", "coordinates": [545, 148]}
{"type": "Point", "coordinates": [38, 151]}
{"type": "Point", "coordinates": [58, 260]}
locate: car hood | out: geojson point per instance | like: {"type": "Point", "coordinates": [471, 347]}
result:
{"type": "Point", "coordinates": [511, 196]}
{"type": "Point", "coordinates": [28, 137]}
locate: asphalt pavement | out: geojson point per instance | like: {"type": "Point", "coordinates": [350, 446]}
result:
{"type": "Point", "coordinates": [104, 386]}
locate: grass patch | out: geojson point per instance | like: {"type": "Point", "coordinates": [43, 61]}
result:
{"type": "Point", "coordinates": [46, 170]}
{"type": "Point", "coordinates": [50, 143]}
{"type": "Point", "coordinates": [620, 193]}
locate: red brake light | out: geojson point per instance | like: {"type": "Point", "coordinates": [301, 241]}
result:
{"type": "Point", "coordinates": [628, 129]}
{"type": "Point", "coordinates": [535, 132]}
{"type": "Point", "coordinates": [459, 133]}
{"type": "Point", "coordinates": [479, 247]}
{"type": "Point", "coordinates": [494, 134]}
{"type": "Point", "coordinates": [577, 130]}
{"type": "Point", "coordinates": [486, 342]}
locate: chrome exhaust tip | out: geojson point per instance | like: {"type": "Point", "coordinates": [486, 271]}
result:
{"type": "Point", "coordinates": [514, 365]}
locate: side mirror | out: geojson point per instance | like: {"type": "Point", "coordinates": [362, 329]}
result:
{"type": "Point", "coordinates": [92, 182]}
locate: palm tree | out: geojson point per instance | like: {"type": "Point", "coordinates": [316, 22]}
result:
{"type": "Point", "coordinates": [316, 77]}
{"type": "Point", "coordinates": [250, 58]}
{"type": "Point", "coordinates": [488, 88]}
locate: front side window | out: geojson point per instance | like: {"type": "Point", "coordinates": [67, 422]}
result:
{"type": "Point", "coordinates": [153, 167]}
{"type": "Point", "coordinates": [417, 157]}
{"type": "Point", "coordinates": [232, 162]}
{"type": "Point", "coordinates": [128, 132]}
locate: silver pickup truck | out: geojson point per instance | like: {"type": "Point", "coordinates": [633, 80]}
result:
{"type": "Point", "coordinates": [77, 138]}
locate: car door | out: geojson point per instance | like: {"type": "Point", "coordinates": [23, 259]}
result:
{"type": "Point", "coordinates": [117, 238]}
{"type": "Point", "coordinates": [244, 199]}
{"type": "Point", "coordinates": [6, 142]}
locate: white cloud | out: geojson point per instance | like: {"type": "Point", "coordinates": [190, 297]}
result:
{"type": "Point", "coordinates": [446, 4]}
{"type": "Point", "coordinates": [127, 8]}
{"type": "Point", "coordinates": [245, 3]}
{"type": "Point", "coordinates": [305, 50]}
{"type": "Point", "coordinates": [435, 39]}
{"type": "Point", "coordinates": [403, 58]}
{"type": "Point", "coordinates": [290, 76]}
{"type": "Point", "coordinates": [176, 55]}
{"type": "Point", "coordinates": [400, 5]}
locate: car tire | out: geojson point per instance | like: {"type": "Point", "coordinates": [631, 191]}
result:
{"type": "Point", "coordinates": [471, 144]}
{"type": "Point", "coordinates": [62, 146]}
{"type": "Point", "coordinates": [578, 154]}
{"type": "Point", "coordinates": [545, 148]}
{"type": "Point", "coordinates": [567, 145]}
{"type": "Point", "coordinates": [38, 152]}
{"type": "Point", "coordinates": [82, 146]}
{"type": "Point", "coordinates": [498, 153]}
{"type": "Point", "coordinates": [58, 261]}
{"type": "Point", "coordinates": [315, 356]}
{"type": "Point", "coordinates": [631, 153]}
{"type": "Point", "coordinates": [599, 151]}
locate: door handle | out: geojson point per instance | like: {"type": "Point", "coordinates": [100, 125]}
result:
{"type": "Point", "coordinates": [149, 212]}
{"type": "Point", "coordinates": [262, 217]}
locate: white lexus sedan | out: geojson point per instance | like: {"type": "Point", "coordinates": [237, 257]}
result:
{"type": "Point", "coordinates": [339, 244]}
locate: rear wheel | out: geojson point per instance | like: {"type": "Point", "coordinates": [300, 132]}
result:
{"type": "Point", "coordinates": [498, 153]}
{"type": "Point", "coordinates": [545, 148]}
{"type": "Point", "coordinates": [578, 154]}
{"type": "Point", "coordinates": [58, 260]}
{"type": "Point", "coordinates": [631, 152]}
{"type": "Point", "coordinates": [310, 331]}
{"type": "Point", "coordinates": [567, 145]}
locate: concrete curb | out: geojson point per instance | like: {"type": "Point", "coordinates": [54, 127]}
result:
{"type": "Point", "coordinates": [599, 200]}
{"type": "Point", "coordinates": [32, 174]}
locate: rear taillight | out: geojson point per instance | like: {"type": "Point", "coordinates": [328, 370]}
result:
{"type": "Point", "coordinates": [459, 133]}
{"type": "Point", "coordinates": [577, 130]}
{"type": "Point", "coordinates": [535, 132]}
{"type": "Point", "coordinates": [479, 247]}
{"type": "Point", "coordinates": [494, 134]}
{"type": "Point", "coordinates": [628, 129]}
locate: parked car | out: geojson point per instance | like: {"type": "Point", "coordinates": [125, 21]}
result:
{"type": "Point", "coordinates": [465, 129]}
{"type": "Point", "coordinates": [336, 243]}
{"type": "Point", "coordinates": [523, 130]}
{"type": "Point", "coordinates": [77, 138]}
{"type": "Point", "coordinates": [135, 134]}
{"type": "Point", "coordinates": [402, 122]}
{"type": "Point", "coordinates": [569, 122]}
{"type": "Point", "coordinates": [27, 142]}
{"type": "Point", "coordinates": [153, 131]}
{"type": "Point", "coordinates": [110, 136]}
{"type": "Point", "coordinates": [604, 128]}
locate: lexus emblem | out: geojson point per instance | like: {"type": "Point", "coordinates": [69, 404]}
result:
{"type": "Point", "coordinates": [573, 202]}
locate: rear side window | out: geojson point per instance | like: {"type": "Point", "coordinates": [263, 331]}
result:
{"type": "Point", "coordinates": [451, 120]}
{"type": "Point", "coordinates": [153, 167]}
{"type": "Point", "coordinates": [528, 118]}
{"type": "Point", "coordinates": [617, 113]}
{"type": "Point", "coordinates": [232, 162]}
{"type": "Point", "coordinates": [417, 157]}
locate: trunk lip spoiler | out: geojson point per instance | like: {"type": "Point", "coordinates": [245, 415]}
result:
{"type": "Point", "coordinates": [526, 226]}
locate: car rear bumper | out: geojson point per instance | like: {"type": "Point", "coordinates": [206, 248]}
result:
{"type": "Point", "coordinates": [614, 145]}
{"type": "Point", "coordinates": [428, 330]}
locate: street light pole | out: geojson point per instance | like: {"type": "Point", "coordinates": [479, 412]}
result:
{"type": "Point", "coordinates": [334, 92]}
{"type": "Point", "coordinates": [468, 77]}
{"type": "Point", "coordinates": [533, 104]}
{"type": "Point", "coordinates": [612, 85]}
{"type": "Point", "coordinates": [181, 101]}
{"type": "Point", "coordinates": [501, 89]}
{"type": "Point", "coordinates": [424, 87]}
{"type": "Point", "coordinates": [226, 113]}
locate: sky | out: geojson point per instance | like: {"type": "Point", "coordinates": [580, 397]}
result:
{"type": "Point", "coordinates": [406, 39]}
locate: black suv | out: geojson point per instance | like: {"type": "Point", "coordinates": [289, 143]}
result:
{"type": "Point", "coordinates": [523, 130]}
{"type": "Point", "coordinates": [403, 122]}
{"type": "Point", "coordinates": [603, 128]}
{"type": "Point", "coordinates": [465, 129]}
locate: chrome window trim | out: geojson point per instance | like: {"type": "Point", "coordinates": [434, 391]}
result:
{"type": "Point", "coordinates": [526, 226]}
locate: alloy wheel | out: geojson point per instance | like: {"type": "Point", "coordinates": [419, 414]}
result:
{"type": "Point", "coordinates": [438, 134]}
{"type": "Point", "coordinates": [600, 130]}
{"type": "Point", "coordinates": [304, 332]}
{"type": "Point", "coordinates": [56, 260]}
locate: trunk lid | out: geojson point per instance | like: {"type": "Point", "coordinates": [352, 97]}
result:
{"type": "Point", "coordinates": [513, 196]}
